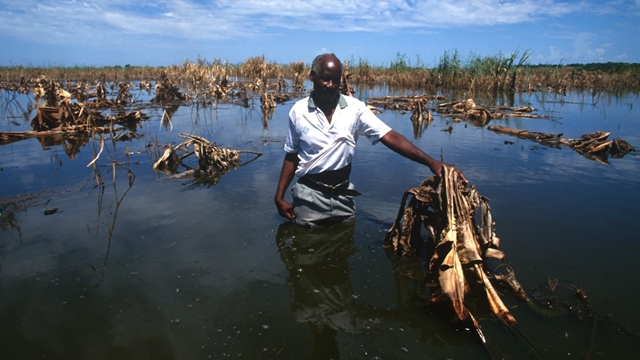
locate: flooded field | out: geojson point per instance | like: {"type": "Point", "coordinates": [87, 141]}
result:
{"type": "Point", "coordinates": [118, 260]}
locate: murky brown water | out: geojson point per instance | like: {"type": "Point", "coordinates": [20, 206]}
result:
{"type": "Point", "coordinates": [167, 270]}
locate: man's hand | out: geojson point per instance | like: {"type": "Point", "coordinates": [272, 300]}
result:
{"type": "Point", "coordinates": [286, 176]}
{"type": "Point", "coordinates": [438, 170]}
{"type": "Point", "coordinates": [461, 176]}
{"type": "Point", "coordinates": [284, 209]}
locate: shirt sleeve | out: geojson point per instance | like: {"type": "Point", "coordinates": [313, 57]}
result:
{"type": "Point", "coordinates": [371, 126]}
{"type": "Point", "coordinates": [292, 142]}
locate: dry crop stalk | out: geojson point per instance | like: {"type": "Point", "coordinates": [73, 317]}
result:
{"type": "Point", "coordinates": [594, 146]}
{"type": "Point", "coordinates": [213, 161]}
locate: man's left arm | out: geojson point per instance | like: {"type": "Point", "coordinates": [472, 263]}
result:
{"type": "Point", "coordinates": [398, 143]}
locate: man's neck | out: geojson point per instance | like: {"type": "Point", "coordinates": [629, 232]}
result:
{"type": "Point", "coordinates": [327, 107]}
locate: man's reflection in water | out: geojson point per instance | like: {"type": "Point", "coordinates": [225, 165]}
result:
{"type": "Point", "coordinates": [321, 293]}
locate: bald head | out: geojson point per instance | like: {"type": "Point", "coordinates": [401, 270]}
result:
{"type": "Point", "coordinates": [326, 75]}
{"type": "Point", "coordinates": [321, 61]}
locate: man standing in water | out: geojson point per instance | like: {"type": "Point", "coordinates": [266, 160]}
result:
{"type": "Point", "coordinates": [323, 131]}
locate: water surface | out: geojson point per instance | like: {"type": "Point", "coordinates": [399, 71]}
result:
{"type": "Point", "coordinates": [165, 269]}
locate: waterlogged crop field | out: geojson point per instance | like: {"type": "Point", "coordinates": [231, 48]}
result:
{"type": "Point", "coordinates": [101, 255]}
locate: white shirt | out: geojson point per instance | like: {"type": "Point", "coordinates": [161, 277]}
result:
{"type": "Point", "coordinates": [323, 146]}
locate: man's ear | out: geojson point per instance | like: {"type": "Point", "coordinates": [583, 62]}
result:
{"type": "Point", "coordinates": [311, 74]}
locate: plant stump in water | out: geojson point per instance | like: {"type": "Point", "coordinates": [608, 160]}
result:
{"type": "Point", "coordinates": [458, 244]}
{"type": "Point", "coordinates": [213, 161]}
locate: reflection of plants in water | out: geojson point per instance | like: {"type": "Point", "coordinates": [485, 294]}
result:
{"type": "Point", "coordinates": [267, 113]}
{"type": "Point", "coordinates": [167, 115]}
{"type": "Point", "coordinates": [114, 166]}
{"type": "Point", "coordinates": [70, 143]}
{"type": "Point", "coordinates": [8, 221]}
{"type": "Point", "coordinates": [9, 206]}
{"type": "Point", "coordinates": [12, 108]}
{"type": "Point", "coordinates": [421, 118]}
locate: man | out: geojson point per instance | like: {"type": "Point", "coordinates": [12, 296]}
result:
{"type": "Point", "coordinates": [323, 131]}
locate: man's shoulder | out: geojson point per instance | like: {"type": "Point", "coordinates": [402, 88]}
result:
{"type": "Point", "coordinates": [351, 99]}
{"type": "Point", "coordinates": [301, 103]}
{"type": "Point", "coordinates": [299, 108]}
{"type": "Point", "coordinates": [354, 102]}
{"type": "Point", "coordinates": [304, 101]}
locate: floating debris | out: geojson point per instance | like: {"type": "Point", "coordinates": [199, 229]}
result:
{"type": "Point", "coordinates": [466, 110]}
{"type": "Point", "coordinates": [594, 146]}
{"type": "Point", "coordinates": [402, 103]}
{"type": "Point", "coordinates": [460, 110]}
{"type": "Point", "coordinates": [480, 115]}
{"type": "Point", "coordinates": [556, 299]}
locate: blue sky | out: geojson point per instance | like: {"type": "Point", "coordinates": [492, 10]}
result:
{"type": "Point", "coordinates": [156, 33]}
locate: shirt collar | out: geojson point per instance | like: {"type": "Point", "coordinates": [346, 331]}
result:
{"type": "Point", "coordinates": [342, 102]}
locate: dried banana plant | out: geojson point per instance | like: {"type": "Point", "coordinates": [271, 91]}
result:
{"type": "Point", "coordinates": [75, 122]}
{"type": "Point", "coordinates": [213, 161]}
{"type": "Point", "coordinates": [458, 246]}
{"type": "Point", "coordinates": [51, 91]}
{"type": "Point", "coordinates": [345, 87]}
{"type": "Point", "coordinates": [267, 101]}
{"type": "Point", "coordinates": [596, 146]}
{"type": "Point", "coordinates": [299, 75]}
{"type": "Point", "coordinates": [167, 92]}
{"type": "Point", "coordinates": [466, 110]}
{"type": "Point", "coordinates": [124, 94]}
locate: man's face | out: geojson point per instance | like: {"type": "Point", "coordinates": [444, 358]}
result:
{"type": "Point", "coordinates": [327, 82]}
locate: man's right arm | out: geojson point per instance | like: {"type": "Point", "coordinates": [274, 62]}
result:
{"type": "Point", "coordinates": [286, 176]}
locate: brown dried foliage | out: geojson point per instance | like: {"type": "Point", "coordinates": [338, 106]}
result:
{"type": "Point", "coordinates": [594, 146]}
{"type": "Point", "coordinates": [213, 161]}
{"type": "Point", "coordinates": [458, 245]}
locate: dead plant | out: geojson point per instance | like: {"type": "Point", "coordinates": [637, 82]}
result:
{"type": "Point", "coordinates": [213, 161]}
{"type": "Point", "coordinates": [458, 246]}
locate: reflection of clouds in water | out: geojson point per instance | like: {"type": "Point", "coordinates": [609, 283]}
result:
{"type": "Point", "coordinates": [25, 153]}
{"type": "Point", "coordinates": [568, 165]}
{"type": "Point", "coordinates": [27, 179]}
{"type": "Point", "coordinates": [47, 243]}
{"type": "Point", "coordinates": [195, 229]}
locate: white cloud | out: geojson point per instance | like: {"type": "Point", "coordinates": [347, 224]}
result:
{"type": "Point", "coordinates": [622, 57]}
{"type": "Point", "coordinates": [178, 23]}
{"type": "Point", "coordinates": [32, 20]}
